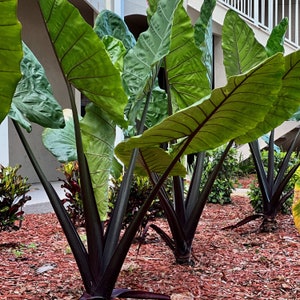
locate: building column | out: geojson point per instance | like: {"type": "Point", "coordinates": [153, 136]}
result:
{"type": "Point", "coordinates": [4, 143]}
{"type": "Point", "coordinates": [119, 7]}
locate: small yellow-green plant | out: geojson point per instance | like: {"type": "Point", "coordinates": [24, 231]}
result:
{"type": "Point", "coordinates": [13, 189]}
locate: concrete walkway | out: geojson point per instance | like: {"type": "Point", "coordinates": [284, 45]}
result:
{"type": "Point", "coordinates": [40, 203]}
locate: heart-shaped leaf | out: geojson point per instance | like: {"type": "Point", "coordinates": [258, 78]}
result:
{"type": "Point", "coordinates": [83, 58]}
{"type": "Point", "coordinates": [34, 97]}
{"type": "Point", "coordinates": [108, 23]}
{"type": "Point", "coordinates": [240, 48]}
{"type": "Point", "coordinates": [287, 102]}
{"type": "Point", "coordinates": [10, 54]}
{"type": "Point", "coordinates": [152, 45]}
{"type": "Point", "coordinates": [61, 142]}
{"type": "Point", "coordinates": [98, 135]}
{"type": "Point", "coordinates": [276, 39]}
{"type": "Point", "coordinates": [187, 75]}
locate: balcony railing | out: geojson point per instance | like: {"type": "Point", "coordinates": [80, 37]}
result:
{"type": "Point", "coordinates": [268, 13]}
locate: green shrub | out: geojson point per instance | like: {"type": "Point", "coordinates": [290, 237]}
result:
{"type": "Point", "coordinates": [13, 189]}
{"type": "Point", "coordinates": [246, 167]}
{"type": "Point", "coordinates": [255, 191]}
{"type": "Point", "coordinates": [140, 189]}
{"type": "Point", "coordinates": [224, 183]}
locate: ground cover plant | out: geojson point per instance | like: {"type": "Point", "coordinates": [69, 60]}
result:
{"type": "Point", "coordinates": [198, 117]}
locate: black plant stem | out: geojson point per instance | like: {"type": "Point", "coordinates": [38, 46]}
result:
{"type": "Point", "coordinates": [271, 162]}
{"type": "Point", "coordinates": [285, 163]}
{"type": "Point", "coordinates": [261, 174]}
{"type": "Point", "coordinates": [71, 234]}
{"type": "Point", "coordinates": [125, 242]}
{"type": "Point", "coordinates": [167, 88]}
{"type": "Point", "coordinates": [178, 192]}
{"type": "Point", "coordinates": [193, 192]}
{"type": "Point", "coordinates": [198, 206]}
{"type": "Point", "coordinates": [115, 225]}
{"type": "Point", "coordinates": [173, 220]}
{"type": "Point", "coordinates": [94, 230]}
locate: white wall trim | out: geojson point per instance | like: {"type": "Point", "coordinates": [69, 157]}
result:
{"type": "Point", "coordinates": [4, 143]}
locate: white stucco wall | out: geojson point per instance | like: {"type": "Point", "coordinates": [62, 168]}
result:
{"type": "Point", "coordinates": [4, 150]}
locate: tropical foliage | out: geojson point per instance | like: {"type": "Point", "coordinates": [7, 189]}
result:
{"type": "Point", "coordinates": [117, 82]}
{"type": "Point", "coordinates": [10, 45]}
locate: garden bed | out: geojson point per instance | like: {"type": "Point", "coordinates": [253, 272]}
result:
{"type": "Point", "coordinates": [238, 264]}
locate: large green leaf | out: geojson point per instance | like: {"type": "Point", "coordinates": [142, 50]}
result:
{"type": "Point", "coordinates": [287, 103]}
{"type": "Point", "coordinates": [276, 39]}
{"type": "Point", "coordinates": [108, 23]}
{"type": "Point", "coordinates": [10, 54]}
{"type": "Point", "coordinates": [34, 98]}
{"type": "Point", "coordinates": [157, 110]}
{"type": "Point", "coordinates": [155, 157]}
{"type": "Point", "coordinates": [152, 45]}
{"type": "Point", "coordinates": [240, 48]}
{"type": "Point", "coordinates": [202, 24]}
{"type": "Point", "coordinates": [187, 75]}
{"type": "Point", "coordinates": [61, 142]}
{"type": "Point", "coordinates": [229, 112]}
{"type": "Point", "coordinates": [15, 114]}
{"type": "Point", "coordinates": [151, 9]}
{"type": "Point", "coordinates": [116, 51]}
{"type": "Point", "coordinates": [204, 36]}
{"type": "Point", "coordinates": [296, 202]}
{"type": "Point", "coordinates": [98, 134]}
{"type": "Point", "coordinates": [83, 58]}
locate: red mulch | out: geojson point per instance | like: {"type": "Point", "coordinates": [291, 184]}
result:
{"type": "Point", "coordinates": [244, 182]}
{"type": "Point", "coordinates": [238, 264]}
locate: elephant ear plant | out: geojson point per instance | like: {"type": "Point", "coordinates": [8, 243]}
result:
{"type": "Point", "coordinates": [241, 52]}
{"type": "Point", "coordinates": [184, 215]}
{"type": "Point", "coordinates": [200, 123]}
{"type": "Point", "coordinates": [193, 46]}
{"type": "Point", "coordinates": [86, 65]}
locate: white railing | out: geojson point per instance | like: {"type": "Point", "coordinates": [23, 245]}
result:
{"type": "Point", "coordinates": [268, 13]}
